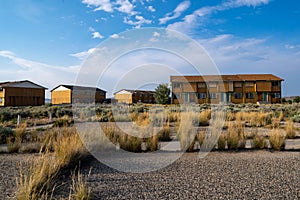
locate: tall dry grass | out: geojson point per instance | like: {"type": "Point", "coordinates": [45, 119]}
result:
{"type": "Point", "coordinates": [277, 139]}
{"type": "Point", "coordinates": [259, 141]}
{"type": "Point", "coordinates": [79, 188]}
{"type": "Point", "coordinates": [40, 179]}
{"type": "Point", "coordinates": [290, 130]}
{"type": "Point", "coordinates": [204, 117]}
{"type": "Point", "coordinates": [236, 137]}
{"type": "Point", "coordinates": [186, 131]}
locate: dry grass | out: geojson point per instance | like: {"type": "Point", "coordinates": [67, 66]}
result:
{"type": "Point", "coordinates": [259, 141]}
{"type": "Point", "coordinates": [214, 131]}
{"type": "Point", "coordinates": [277, 139]}
{"type": "Point", "coordinates": [232, 137]}
{"type": "Point", "coordinates": [69, 148]}
{"type": "Point", "coordinates": [13, 146]}
{"type": "Point", "coordinates": [290, 130]}
{"type": "Point", "coordinates": [186, 132]}
{"type": "Point", "coordinates": [152, 143]}
{"type": "Point", "coordinates": [204, 117]}
{"type": "Point", "coordinates": [200, 137]}
{"type": "Point", "coordinates": [230, 116]}
{"type": "Point", "coordinates": [21, 132]}
{"type": "Point", "coordinates": [236, 138]}
{"type": "Point", "coordinates": [165, 134]}
{"type": "Point", "coordinates": [222, 142]}
{"type": "Point", "coordinates": [79, 188]}
{"type": "Point", "coordinates": [40, 179]}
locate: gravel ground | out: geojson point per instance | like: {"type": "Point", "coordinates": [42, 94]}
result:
{"type": "Point", "coordinates": [220, 175]}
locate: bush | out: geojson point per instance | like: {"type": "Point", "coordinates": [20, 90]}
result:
{"type": "Point", "coordinates": [259, 141]}
{"type": "Point", "coordinates": [290, 130]}
{"type": "Point", "coordinates": [277, 139]}
{"type": "Point", "coordinates": [164, 134]}
{"type": "Point", "coordinates": [5, 132]}
{"type": "Point", "coordinates": [222, 142]}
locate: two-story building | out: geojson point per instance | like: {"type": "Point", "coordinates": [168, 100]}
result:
{"type": "Point", "coordinates": [239, 88]}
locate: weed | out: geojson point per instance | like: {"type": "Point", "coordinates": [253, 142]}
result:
{"type": "Point", "coordinates": [277, 139]}
{"type": "Point", "coordinates": [290, 130]}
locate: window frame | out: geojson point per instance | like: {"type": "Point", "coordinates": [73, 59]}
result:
{"type": "Point", "coordinates": [249, 95]}
{"type": "Point", "coordinates": [238, 95]}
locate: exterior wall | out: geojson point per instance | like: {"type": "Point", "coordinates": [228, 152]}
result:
{"type": "Point", "coordinates": [61, 97]}
{"type": "Point", "coordinates": [2, 97]}
{"type": "Point", "coordinates": [100, 97]}
{"type": "Point", "coordinates": [249, 91]}
{"type": "Point", "coordinates": [135, 97]}
{"type": "Point", "coordinates": [124, 98]}
{"type": "Point", "coordinates": [23, 96]}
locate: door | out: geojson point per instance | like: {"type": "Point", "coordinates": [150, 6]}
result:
{"type": "Point", "coordinates": [265, 96]}
{"type": "Point", "coordinates": [186, 97]}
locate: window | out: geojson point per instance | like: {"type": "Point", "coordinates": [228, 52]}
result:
{"type": "Point", "coordinates": [237, 84]}
{"type": "Point", "coordinates": [250, 95]}
{"type": "Point", "coordinates": [238, 95]}
{"type": "Point", "coordinates": [202, 96]}
{"type": "Point", "coordinates": [277, 95]}
{"type": "Point", "coordinates": [177, 85]}
{"type": "Point", "coordinates": [212, 84]}
{"type": "Point", "coordinates": [275, 84]}
{"type": "Point", "coordinates": [249, 84]}
{"type": "Point", "coordinates": [212, 95]}
{"type": "Point", "coordinates": [1, 100]}
{"type": "Point", "coordinates": [201, 85]}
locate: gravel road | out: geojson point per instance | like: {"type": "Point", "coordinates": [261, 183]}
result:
{"type": "Point", "coordinates": [220, 175]}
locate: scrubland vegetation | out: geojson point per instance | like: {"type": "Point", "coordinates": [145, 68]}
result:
{"type": "Point", "coordinates": [60, 148]}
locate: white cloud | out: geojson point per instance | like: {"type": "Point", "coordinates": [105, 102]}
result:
{"type": "Point", "coordinates": [156, 34]}
{"type": "Point", "coordinates": [183, 6]}
{"type": "Point", "coordinates": [140, 20]}
{"type": "Point", "coordinates": [104, 5]}
{"type": "Point", "coordinates": [114, 36]}
{"type": "Point", "coordinates": [125, 6]}
{"type": "Point", "coordinates": [84, 54]}
{"type": "Point", "coordinates": [151, 9]}
{"type": "Point", "coordinates": [44, 74]}
{"type": "Point", "coordinates": [191, 21]}
{"type": "Point", "coordinates": [97, 35]}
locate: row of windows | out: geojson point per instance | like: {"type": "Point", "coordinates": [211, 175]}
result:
{"type": "Point", "coordinates": [249, 95]}
{"type": "Point", "coordinates": [215, 84]}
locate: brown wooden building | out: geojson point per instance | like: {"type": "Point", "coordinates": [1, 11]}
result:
{"type": "Point", "coordinates": [21, 93]}
{"type": "Point", "coordinates": [239, 88]}
{"type": "Point", "coordinates": [134, 96]}
{"type": "Point", "coordinates": [67, 94]}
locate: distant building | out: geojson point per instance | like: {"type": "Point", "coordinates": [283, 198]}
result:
{"type": "Point", "coordinates": [240, 88]}
{"type": "Point", "coordinates": [21, 93]}
{"type": "Point", "coordinates": [65, 94]}
{"type": "Point", "coordinates": [134, 96]}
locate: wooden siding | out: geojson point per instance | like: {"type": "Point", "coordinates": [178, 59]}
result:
{"type": "Point", "coordinates": [23, 96]}
{"type": "Point", "coordinates": [263, 86]}
{"type": "Point", "coordinates": [124, 98]}
{"type": "Point", "coordinates": [61, 97]}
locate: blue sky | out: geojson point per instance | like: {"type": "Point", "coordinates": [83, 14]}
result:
{"type": "Point", "coordinates": [47, 41]}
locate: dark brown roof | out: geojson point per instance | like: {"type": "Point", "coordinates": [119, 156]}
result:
{"type": "Point", "coordinates": [13, 83]}
{"type": "Point", "coordinates": [234, 77]}
{"type": "Point", "coordinates": [77, 87]}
